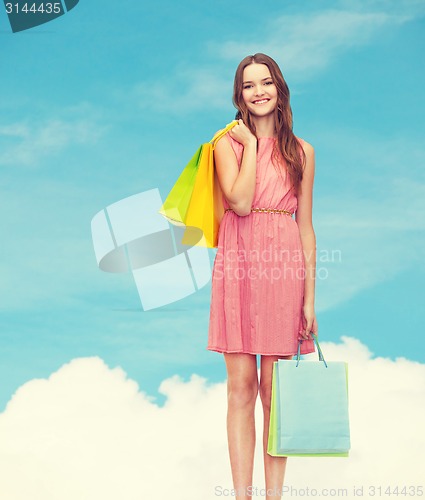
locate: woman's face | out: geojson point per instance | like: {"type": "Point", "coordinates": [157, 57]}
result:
{"type": "Point", "coordinates": [258, 90]}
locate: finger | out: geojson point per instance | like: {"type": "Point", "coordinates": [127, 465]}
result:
{"type": "Point", "coordinates": [308, 330]}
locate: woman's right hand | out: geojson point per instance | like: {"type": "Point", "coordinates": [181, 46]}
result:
{"type": "Point", "coordinates": [242, 134]}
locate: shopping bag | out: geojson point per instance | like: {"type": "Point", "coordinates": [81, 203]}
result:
{"type": "Point", "coordinates": [195, 200]}
{"type": "Point", "coordinates": [309, 408]}
{"type": "Point", "coordinates": [176, 204]}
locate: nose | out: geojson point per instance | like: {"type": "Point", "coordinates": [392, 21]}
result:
{"type": "Point", "coordinates": [259, 90]}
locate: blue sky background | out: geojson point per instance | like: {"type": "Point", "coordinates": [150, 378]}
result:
{"type": "Point", "coordinates": [113, 99]}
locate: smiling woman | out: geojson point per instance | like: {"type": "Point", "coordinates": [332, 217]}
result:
{"type": "Point", "coordinates": [261, 73]}
{"type": "Point", "coordinates": [259, 94]}
{"type": "Point", "coordinates": [262, 296]}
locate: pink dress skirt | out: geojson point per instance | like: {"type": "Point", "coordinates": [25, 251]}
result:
{"type": "Point", "coordinates": [259, 270]}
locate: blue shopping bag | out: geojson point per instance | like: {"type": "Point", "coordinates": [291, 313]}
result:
{"type": "Point", "coordinates": [309, 409]}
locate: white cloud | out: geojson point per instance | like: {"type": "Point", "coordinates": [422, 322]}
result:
{"type": "Point", "coordinates": [303, 44]}
{"type": "Point", "coordinates": [188, 90]}
{"type": "Point", "coordinates": [14, 130]}
{"type": "Point", "coordinates": [27, 142]}
{"type": "Point", "coordinates": [307, 43]}
{"type": "Point", "coordinates": [88, 432]}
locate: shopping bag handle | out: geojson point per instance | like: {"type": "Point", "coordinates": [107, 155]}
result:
{"type": "Point", "coordinates": [222, 132]}
{"type": "Point", "coordinates": [319, 350]}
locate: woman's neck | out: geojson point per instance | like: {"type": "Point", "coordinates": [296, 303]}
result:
{"type": "Point", "coordinates": [264, 126]}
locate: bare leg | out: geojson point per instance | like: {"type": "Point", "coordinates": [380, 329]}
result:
{"type": "Point", "coordinates": [242, 391]}
{"type": "Point", "coordinates": [274, 467]}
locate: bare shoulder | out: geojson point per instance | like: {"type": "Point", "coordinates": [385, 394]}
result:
{"type": "Point", "coordinates": [308, 148]}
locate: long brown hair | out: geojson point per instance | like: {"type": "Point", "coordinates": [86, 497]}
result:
{"type": "Point", "coordinates": [287, 144]}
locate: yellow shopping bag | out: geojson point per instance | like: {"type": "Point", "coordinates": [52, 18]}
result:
{"type": "Point", "coordinates": [195, 200]}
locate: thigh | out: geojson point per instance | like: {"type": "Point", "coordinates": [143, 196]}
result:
{"type": "Point", "coordinates": [241, 369]}
{"type": "Point", "coordinates": [266, 372]}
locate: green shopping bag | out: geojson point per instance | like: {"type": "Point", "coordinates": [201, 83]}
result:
{"type": "Point", "coordinates": [309, 408]}
{"type": "Point", "coordinates": [177, 202]}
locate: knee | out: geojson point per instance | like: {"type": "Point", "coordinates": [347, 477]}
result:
{"type": "Point", "coordinates": [242, 394]}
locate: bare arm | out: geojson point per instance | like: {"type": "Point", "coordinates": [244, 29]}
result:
{"type": "Point", "coordinates": [308, 238]}
{"type": "Point", "coordinates": [238, 185]}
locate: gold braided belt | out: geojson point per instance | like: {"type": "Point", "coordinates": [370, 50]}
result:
{"type": "Point", "coordinates": [266, 210]}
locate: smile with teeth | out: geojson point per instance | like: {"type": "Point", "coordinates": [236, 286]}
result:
{"type": "Point", "coordinates": [261, 101]}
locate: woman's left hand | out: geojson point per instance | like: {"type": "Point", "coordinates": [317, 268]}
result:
{"type": "Point", "coordinates": [309, 323]}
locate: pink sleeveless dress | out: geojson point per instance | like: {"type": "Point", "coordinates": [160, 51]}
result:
{"type": "Point", "coordinates": [259, 270]}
